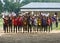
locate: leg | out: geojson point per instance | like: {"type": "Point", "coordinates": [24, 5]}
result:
{"type": "Point", "coordinates": [37, 27]}
{"type": "Point", "coordinates": [56, 24]}
{"type": "Point", "coordinates": [7, 28]}
{"type": "Point", "coordinates": [41, 28]}
{"type": "Point", "coordinates": [4, 28]}
{"type": "Point", "coordinates": [11, 27]}
{"type": "Point", "coordinates": [49, 28]}
{"type": "Point", "coordinates": [28, 28]}
{"type": "Point", "coordinates": [16, 29]}
{"type": "Point", "coordinates": [46, 28]}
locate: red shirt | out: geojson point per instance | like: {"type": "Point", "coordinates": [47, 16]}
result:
{"type": "Point", "coordinates": [19, 21]}
{"type": "Point", "coordinates": [5, 22]}
{"type": "Point", "coordinates": [49, 21]}
{"type": "Point", "coordinates": [15, 21]}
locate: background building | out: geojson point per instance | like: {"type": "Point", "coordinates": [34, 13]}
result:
{"type": "Point", "coordinates": [37, 7]}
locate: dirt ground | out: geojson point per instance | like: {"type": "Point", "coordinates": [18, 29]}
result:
{"type": "Point", "coordinates": [39, 37]}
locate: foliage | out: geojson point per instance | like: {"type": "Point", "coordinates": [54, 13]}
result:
{"type": "Point", "coordinates": [1, 7]}
{"type": "Point", "coordinates": [10, 6]}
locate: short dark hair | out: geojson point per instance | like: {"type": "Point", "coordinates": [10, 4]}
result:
{"type": "Point", "coordinates": [55, 13]}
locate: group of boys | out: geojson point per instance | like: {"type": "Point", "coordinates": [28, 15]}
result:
{"type": "Point", "coordinates": [27, 22]}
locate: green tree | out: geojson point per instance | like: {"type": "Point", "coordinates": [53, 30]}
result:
{"type": "Point", "coordinates": [1, 6]}
{"type": "Point", "coordinates": [10, 6]}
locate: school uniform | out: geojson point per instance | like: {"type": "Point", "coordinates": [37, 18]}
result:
{"type": "Point", "coordinates": [49, 23]}
{"type": "Point", "coordinates": [24, 24]}
{"type": "Point", "coordinates": [35, 24]}
{"type": "Point", "coordinates": [10, 24]}
{"type": "Point", "coordinates": [39, 24]}
{"type": "Point", "coordinates": [15, 25]}
{"type": "Point", "coordinates": [19, 22]}
{"type": "Point", "coordinates": [5, 25]}
{"type": "Point", "coordinates": [30, 24]}
{"type": "Point", "coordinates": [56, 21]}
{"type": "Point", "coordinates": [44, 24]}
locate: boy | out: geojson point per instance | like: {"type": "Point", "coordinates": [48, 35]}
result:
{"type": "Point", "coordinates": [39, 24]}
{"type": "Point", "coordinates": [5, 24]}
{"type": "Point", "coordinates": [15, 24]}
